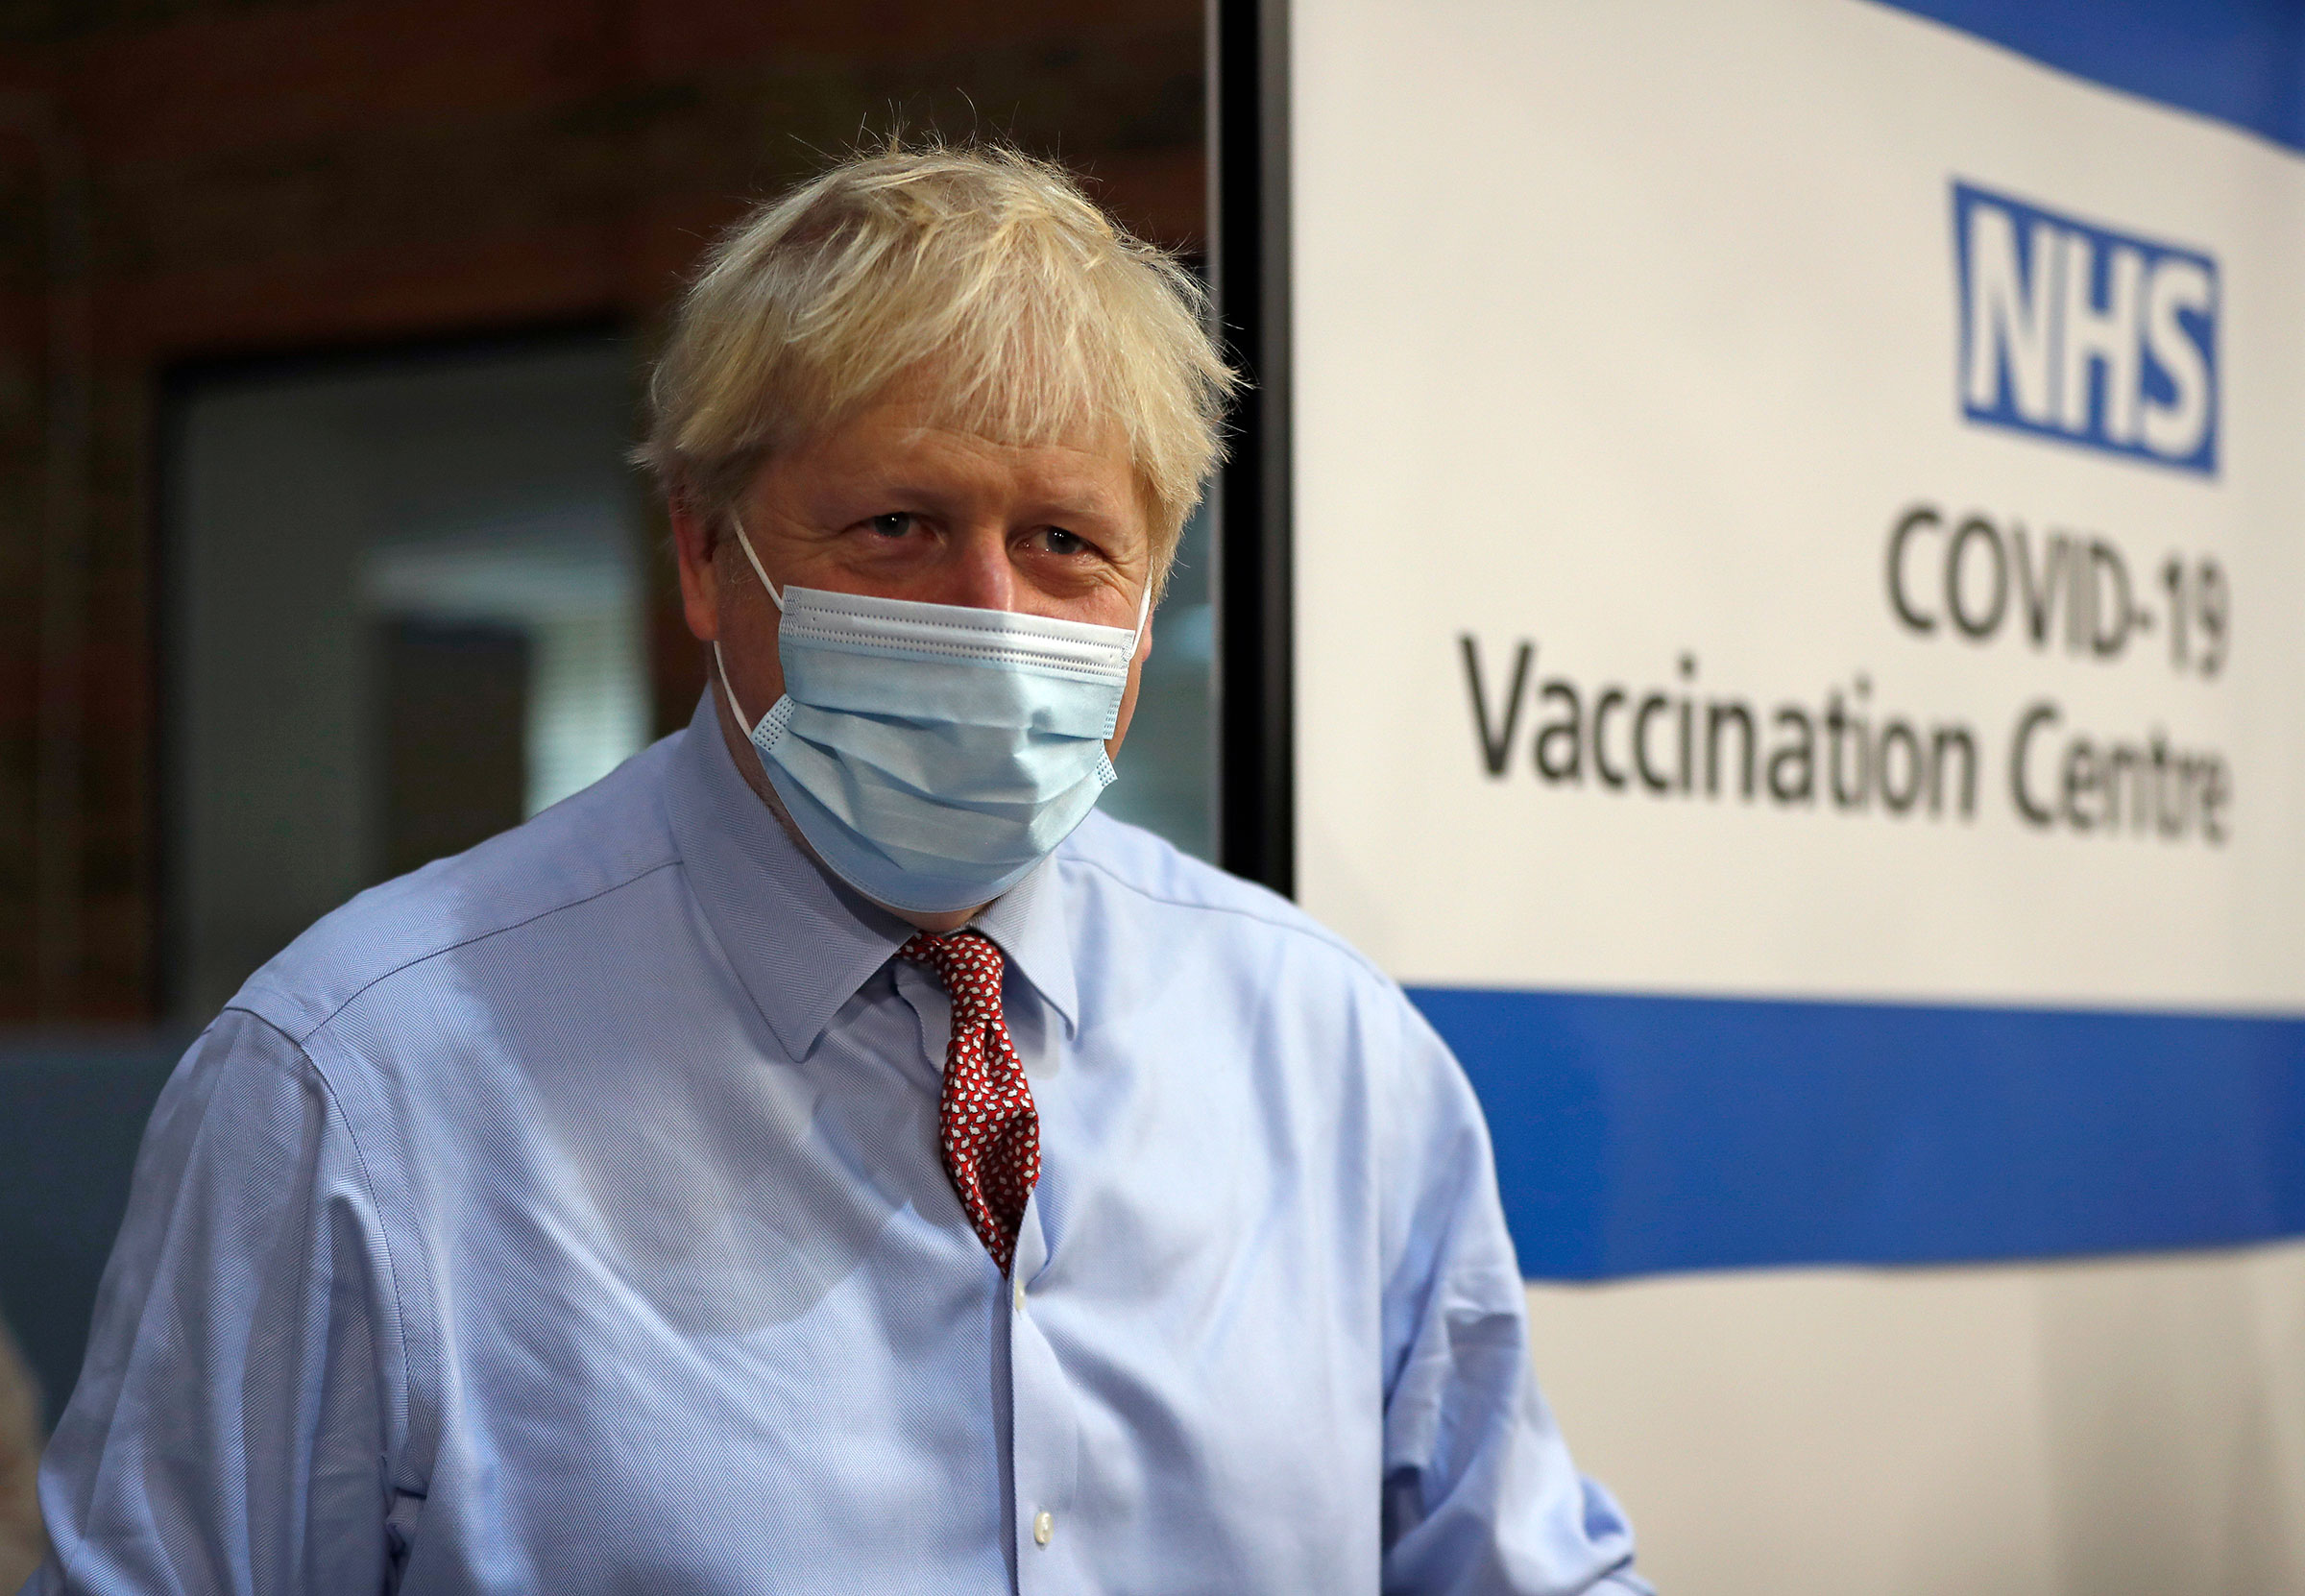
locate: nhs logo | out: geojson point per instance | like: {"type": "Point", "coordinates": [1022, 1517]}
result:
{"type": "Point", "coordinates": [2073, 332]}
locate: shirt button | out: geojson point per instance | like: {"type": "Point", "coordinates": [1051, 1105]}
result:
{"type": "Point", "coordinates": [1044, 1525]}
{"type": "Point", "coordinates": [1016, 1290]}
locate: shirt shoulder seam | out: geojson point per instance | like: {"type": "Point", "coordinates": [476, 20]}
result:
{"type": "Point", "coordinates": [1310, 930]}
{"type": "Point", "coordinates": [349, 998]}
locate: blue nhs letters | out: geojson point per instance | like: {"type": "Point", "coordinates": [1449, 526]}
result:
{"type": "Point", "coordinates": [2070, 331]}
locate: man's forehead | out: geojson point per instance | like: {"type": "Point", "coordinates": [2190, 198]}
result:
{"type": "Point", "coordinates": [903, 443]}
{"type": "Point", "coordinates": [928, 419]}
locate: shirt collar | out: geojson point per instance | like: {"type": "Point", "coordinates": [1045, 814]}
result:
{"type": "Point", "coordinates": [800, 940]}
{"type": "Point", "coordinates": [1028, 922]}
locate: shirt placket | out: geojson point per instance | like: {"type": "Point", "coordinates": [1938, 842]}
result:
{"type": "Point", "coordinates": [1042, 1465]}
{"type": "Point", "coordinates": [1044, 1431]}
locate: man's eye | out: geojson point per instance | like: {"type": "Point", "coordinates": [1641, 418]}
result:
{"type": "Point", "coordinates": [893, 524]}
{"type": "Point", "coordinates": [1062, 542]}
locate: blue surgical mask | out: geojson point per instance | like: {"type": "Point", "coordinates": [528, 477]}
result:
{"type": "Point", "coordinates": [932, 753]}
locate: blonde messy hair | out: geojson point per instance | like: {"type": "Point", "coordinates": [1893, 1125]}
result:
{"type": "Point", "coordinates": [1036, 315]}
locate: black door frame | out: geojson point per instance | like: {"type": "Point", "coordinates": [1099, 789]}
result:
{"type": "Point", "coordinates": [1249, 272]}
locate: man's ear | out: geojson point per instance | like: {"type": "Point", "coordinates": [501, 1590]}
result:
{"type": "Point", "coordinates": [695, 542]}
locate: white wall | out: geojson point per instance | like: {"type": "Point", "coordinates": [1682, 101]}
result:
{"type": "Point", "coordinates": [2091, 1428]}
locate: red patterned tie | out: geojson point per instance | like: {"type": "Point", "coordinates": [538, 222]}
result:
{"type": "Point", "coordinates": [991, 1129]}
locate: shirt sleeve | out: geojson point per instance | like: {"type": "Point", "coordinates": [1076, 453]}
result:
{"type": "Point", "coordinates": [1480, 1494]}
{"type": "Point", "coordinates": [243, 1390]}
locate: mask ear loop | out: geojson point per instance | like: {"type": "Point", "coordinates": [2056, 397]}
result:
{"type": "Point", "coordinates": [1143, 613]}
{"type": "Point", "coordinates": [722, 666]}
{"type": "Point", "coordinates": [774, 598]}
{"type": "Point", "coordinates": [754, 560]}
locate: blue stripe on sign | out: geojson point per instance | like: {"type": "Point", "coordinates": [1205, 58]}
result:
{"type": "Point", "coordinates": [2242, 62]}
{"type": "Point", "coordinates": [1637, 1134]}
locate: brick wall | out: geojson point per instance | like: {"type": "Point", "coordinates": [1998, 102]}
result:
{"type": "Point", "coordinates": [188, 179]}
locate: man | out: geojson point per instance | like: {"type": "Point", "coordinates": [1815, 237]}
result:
{"type": "Point", "coordinates": [823, 1156]}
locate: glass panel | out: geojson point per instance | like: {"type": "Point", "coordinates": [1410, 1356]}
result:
{"type": "Point", "coordinates": [455, 705]}
{"type": "Point", "coordinates": [406, 611]}
{"type": "Point", "coordinates": [1168, 765]}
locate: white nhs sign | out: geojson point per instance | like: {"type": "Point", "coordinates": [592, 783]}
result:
{"type": "Point", "coordinates": [2093, 337]}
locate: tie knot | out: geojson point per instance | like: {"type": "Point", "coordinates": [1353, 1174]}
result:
{"type": "Point", "coordinates": [967, 962]}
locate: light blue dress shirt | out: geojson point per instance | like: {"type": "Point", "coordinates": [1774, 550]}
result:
{"type": "Point", "coordinates": [567, 1217]}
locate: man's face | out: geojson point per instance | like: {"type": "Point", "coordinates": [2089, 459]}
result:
{"type": "Point", "coordinates": [894, 507]}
